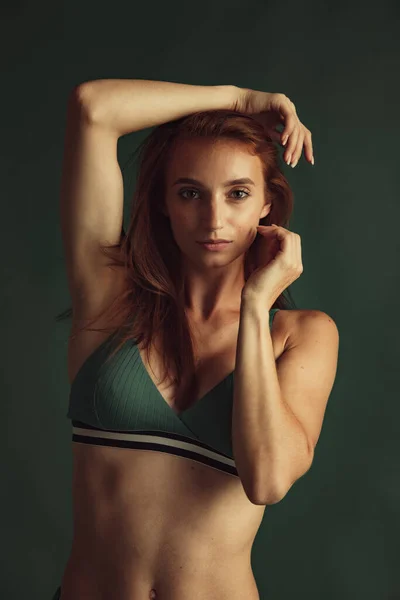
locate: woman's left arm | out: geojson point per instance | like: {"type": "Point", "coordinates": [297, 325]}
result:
{"type": "Point", "coordinates": [278, 408]}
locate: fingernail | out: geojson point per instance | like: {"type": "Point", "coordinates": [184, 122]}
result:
{"type": "Point", "coordinates": [288, 159]}
{"type": "Point", "coordinates": [312, 160]}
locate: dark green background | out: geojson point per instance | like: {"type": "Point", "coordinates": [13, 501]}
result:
{"type": "Point", "coordinates": [335, 536]}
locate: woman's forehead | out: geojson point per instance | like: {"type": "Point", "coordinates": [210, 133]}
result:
{"type": "Point", "coordinates": [231, 159]}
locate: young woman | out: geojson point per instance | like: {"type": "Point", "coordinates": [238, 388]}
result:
{"type": "Point", "coordinates": [198, 397]}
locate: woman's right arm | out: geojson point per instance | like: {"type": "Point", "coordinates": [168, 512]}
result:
{"type": "Point", "coordinates": [127, 105]}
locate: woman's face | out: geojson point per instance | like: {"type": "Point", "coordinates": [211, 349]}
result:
{"type": "Point", "coordinates": [211, 205]}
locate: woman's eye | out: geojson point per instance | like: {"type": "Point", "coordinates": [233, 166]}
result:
{"type": "Point", "coordinates": [185, 191]}
{"type": "Point", "coordinates": [234, 191]}
{"type": "Point", "coordinates": [243, 192]}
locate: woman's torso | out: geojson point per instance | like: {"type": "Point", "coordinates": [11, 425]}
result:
{"type": "Point", "coordinates": [156, 525]}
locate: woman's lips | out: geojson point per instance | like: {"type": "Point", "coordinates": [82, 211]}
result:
{"type": "Point", "coordinates": [215, 246]}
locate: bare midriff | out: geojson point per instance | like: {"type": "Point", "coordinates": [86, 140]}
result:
{"type": "Point", "coordinates": [149, 525]}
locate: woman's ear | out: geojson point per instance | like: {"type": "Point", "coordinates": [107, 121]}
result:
{"type": "Point", "coordinates": [266, 209]}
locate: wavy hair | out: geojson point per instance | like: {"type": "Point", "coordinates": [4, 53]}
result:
{"type": "Point", "coordinates": [151, 258]}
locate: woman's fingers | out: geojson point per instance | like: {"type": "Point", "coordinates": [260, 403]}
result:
{"type": "Point", "coordinates": [308, 147]}
{"type": "Point", "coordinates": [300, 137]}
{"type": "Point", "coordinates": [295, 133]}
{"type": "Point", "coordinates": [290, 124]}
{"type": "Point", "coordinates": [291, 145]}
{"type": "Point", "coordinates": [298, 149]}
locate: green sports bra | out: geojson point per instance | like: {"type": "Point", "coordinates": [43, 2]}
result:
{"type": "Point", "coordinates": [118, 404]}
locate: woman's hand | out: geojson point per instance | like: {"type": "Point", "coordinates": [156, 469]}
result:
{"type": "Point", "coordinates": [272, 109]}
{"type": "Point", "coordinates": [278, 254]}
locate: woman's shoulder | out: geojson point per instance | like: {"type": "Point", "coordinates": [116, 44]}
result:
{"type": "Point", "coordinates": [296, 321]}
{"type": "Point", "coordinates": [299, 314]}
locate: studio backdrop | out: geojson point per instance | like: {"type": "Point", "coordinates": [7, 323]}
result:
{"type": "Point", "coordinates": [335, 534]}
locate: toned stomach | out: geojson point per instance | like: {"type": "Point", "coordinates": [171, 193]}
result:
{"type": "Point", "coordinates": [149, 525]}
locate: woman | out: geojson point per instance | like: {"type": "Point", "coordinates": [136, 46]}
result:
{"type": "Point", "coordinates": [173, 465]}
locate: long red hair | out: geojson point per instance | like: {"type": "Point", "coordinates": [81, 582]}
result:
{"type": "Point", "coordinates": [154, 298]}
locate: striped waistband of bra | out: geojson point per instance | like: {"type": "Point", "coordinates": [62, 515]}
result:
{"type": "Point", "coordinates": [158, 441]}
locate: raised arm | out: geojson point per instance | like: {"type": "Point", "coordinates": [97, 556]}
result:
{"type": "Point", "coordinates": [127, 105]}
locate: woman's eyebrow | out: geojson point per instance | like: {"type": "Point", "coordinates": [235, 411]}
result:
{"type": "Point", "coordinates": [225, 184]}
